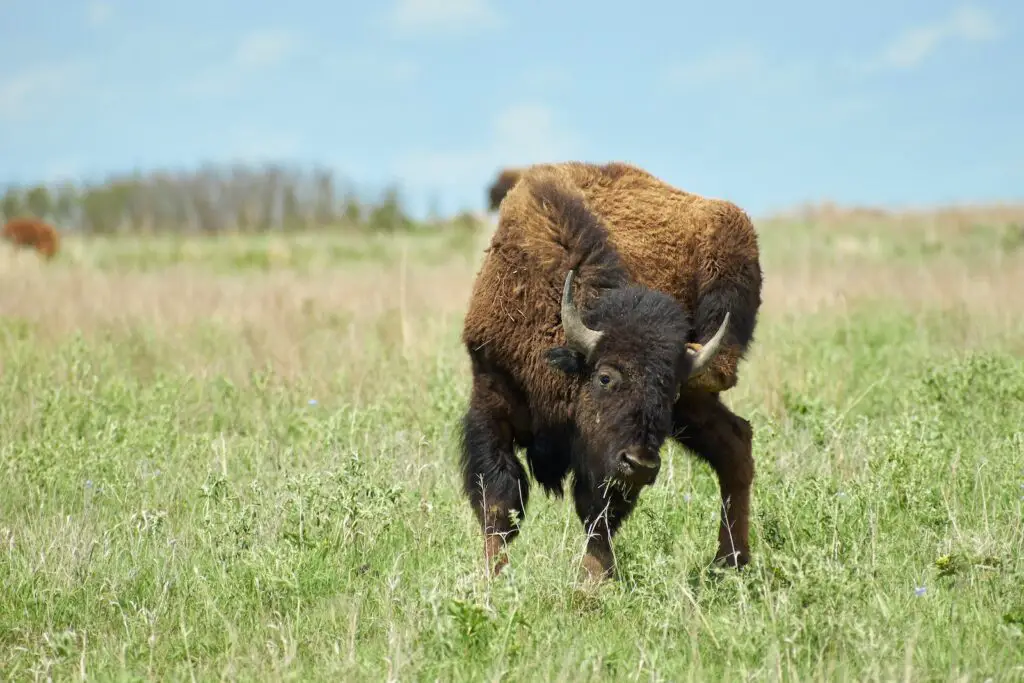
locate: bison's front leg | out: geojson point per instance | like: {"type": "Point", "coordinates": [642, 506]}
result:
{"type": "Point", "coordinates": [493, 478]}
{"type": "Point", "coordinates": [602, 511]}
{"type": "Point", "coordinates": [708, 428]}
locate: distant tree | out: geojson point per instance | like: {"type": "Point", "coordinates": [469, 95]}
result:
{"type": "Point", "coordinates": [12, 203]}
{"type": "Point", "coordinates": [388, 216]}
{"type": "Point", "coordinates": [37, 199]}
{"type": "Point", "coordinates": [210, 199]}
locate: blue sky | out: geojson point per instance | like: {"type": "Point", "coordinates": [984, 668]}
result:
{"type": "Point", "coordinates": [764, 103]}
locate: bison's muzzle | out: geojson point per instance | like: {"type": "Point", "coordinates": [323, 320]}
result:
{"type": "Point", "coordinates": [637, 467]}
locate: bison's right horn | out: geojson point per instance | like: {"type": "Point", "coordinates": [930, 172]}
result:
{"type": "Point", "coordinates": [701, 359]}
{"type": "Point", "coordinates": [578, 336]}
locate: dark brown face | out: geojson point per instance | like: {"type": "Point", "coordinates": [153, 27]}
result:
{"type": "Point", "coordinates": [627, 386]}
{"type": "Point", "coordinates": [623, 415]}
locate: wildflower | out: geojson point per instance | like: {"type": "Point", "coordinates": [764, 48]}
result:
{"type": "Point", "coordinates": [312, 402]}
{"type": "Point", "coordinates": [919, 591]}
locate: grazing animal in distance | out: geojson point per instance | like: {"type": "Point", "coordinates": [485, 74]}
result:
{"type": "Point", "coordinates": [26, 231]}
{"type": "Point", "coordinates": [610, 311]}
{"type": "Point", "coordinates": [505, 181]}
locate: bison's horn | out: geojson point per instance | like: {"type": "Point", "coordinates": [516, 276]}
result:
{"type": "Point", "coordinates": [578, 336]}
{"type": "Point", "coordinates": [701, 359]}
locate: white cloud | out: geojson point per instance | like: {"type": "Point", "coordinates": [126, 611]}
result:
{"type": "Point", "coordinates": [733, 65]}
{"type": "Point", "coordinates": [522, 134]}
{"type": "Point", "coordinates": [371, 66]}
{"type": "Point", "coordinates": [40, 88]}
{"type": "Point", "coordinates": [914, 46]}
{"type": "Point", "coordinates": [265, 48]}
{"type": "Point", "coordinates": [738, 66]}
{"type": "Point", "coordinates": [254, 53]}
{"type": "Point", "coordinates": [443, 16]}
{"type": "Point", "coordinates": [99, 13]}
{"type": "Point", "coordinates": [546, 77]}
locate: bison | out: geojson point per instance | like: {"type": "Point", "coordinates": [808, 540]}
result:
{"type": "Point", "coordinates": [506, 180]}
{"type": "Point", "coordinates": [32, 232]}
{"type": "Point", "coordinates": [610, 311]}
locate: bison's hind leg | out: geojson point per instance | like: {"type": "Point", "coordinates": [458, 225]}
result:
{"type": "Point", "coordinates": [493, 478]}
{"type": "Point", "coordinates": [705, 426]}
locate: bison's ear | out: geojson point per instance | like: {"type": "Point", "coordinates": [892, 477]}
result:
{"type": "Point", "coordinates": [565, 359]}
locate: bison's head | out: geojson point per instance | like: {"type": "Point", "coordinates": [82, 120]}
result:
{"type": "Point", "coordinates": [630, 359]}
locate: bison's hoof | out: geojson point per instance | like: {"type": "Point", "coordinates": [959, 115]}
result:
{"type": "Point", "coordinates": [498, 565]}
{"type": "Point", "coordinates": [735, 559]}
{"type": "Point", "coordinates": [495, 555]}
{"type": "Point", "coordinates": [593, 570]}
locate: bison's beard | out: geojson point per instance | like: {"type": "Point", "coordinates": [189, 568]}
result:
{"type": "Point", "coordinates": [596, 467]}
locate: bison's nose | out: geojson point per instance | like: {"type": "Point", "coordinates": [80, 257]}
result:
{"type": "Point", "coordinates": [639, 466]}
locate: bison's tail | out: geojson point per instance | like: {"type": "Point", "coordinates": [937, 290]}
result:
{"type": "Point", "coordinates": [505, 181]}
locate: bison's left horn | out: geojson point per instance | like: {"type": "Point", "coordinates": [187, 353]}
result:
{"type": "Point", "coordinates": [578, 336]}
{"type": "Point", "coordinates": [701, 359]}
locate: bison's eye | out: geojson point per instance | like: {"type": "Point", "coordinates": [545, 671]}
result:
{"type": "Point", "coordinates": [607, 378]}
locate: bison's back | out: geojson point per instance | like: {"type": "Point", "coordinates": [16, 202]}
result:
{"type": "Point", "coordinates": [670, 240]}
{"type": "Point", "coordinates": [32, 232]}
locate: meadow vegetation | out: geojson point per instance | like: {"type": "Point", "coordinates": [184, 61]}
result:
{"type": "Point", "coordinates": [234, 456]}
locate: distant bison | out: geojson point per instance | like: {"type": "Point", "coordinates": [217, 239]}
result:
{"type": "Point", "coordinates": [34, 233]}
{"type": "Point", "coordinates": [506, 180]}
{"type": "Point", "coordinates": [592, 382]}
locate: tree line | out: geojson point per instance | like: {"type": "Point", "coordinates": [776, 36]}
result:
{"type": "Point", "coordinates": [210, 199]}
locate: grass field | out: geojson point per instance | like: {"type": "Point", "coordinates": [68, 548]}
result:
{"type": "Point", "coordinates": [236, 459]}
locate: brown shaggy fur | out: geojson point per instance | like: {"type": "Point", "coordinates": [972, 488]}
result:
{"type": "Point", "coordinates": [506, 181]}
{"type": "Point", "coordinates": [703, 252]}
{"type": "Point", "coordinates": [34, 233]}
{"type": "Point", "coordinates": [669, 240]}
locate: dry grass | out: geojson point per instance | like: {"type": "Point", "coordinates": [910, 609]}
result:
{"type": "Point", "coordinates": [287, 317]}
{"type": "Point", "coordinates": [63, 301]}
{"type": "Point", "coordinates": [829, 215]}
{"type": "Point", "coordinates": [947, 286]}
{"type": "Point", "coordinates": [302, 324]}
